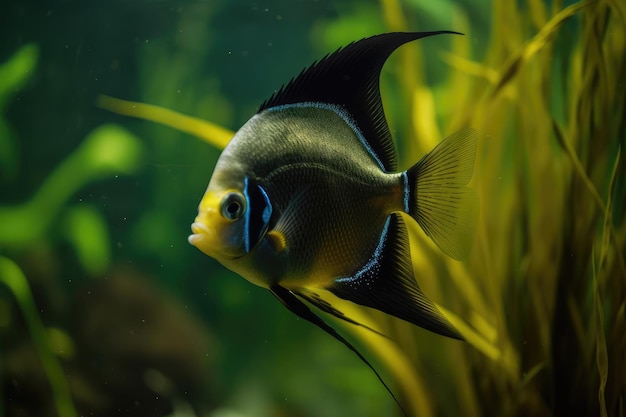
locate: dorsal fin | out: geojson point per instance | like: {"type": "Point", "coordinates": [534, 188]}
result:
{"type": "Point", "coordinates": [349, 78]}
{"type": "Point", "coordinates": [387, 283]}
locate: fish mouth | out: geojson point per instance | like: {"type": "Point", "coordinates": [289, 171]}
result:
{"type": "Point", "coordinates": [199, 232]}
{"type": "Point", "coordinates": [204, 238]}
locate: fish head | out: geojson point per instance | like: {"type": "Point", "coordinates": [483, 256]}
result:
{"type": "Point", "coordinates": [218, 227]}
{"type": "Point", "coordinates": [234, 212]}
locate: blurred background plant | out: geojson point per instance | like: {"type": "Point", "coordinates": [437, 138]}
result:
{"type": "Point", "coordinates": [106, 309]}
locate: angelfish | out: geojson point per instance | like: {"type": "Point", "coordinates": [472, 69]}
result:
{"type": "Point", "coordinates": [307, 195]}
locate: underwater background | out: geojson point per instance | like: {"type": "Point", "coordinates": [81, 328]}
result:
{"type": "Point", "coordinates": [105, 309]}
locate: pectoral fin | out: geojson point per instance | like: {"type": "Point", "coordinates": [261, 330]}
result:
{"type": "Point", "coordinates": [289, 300]}
{"type": "Point", "coordinates": [386, 283]}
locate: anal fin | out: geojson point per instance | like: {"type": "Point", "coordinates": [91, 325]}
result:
{"type": "Point", "coordinates": [387, 283]}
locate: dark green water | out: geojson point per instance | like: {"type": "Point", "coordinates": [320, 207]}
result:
{"type": "Point", "coordinates": [145, 324]}
{"type": "Point", "coordinates": [128, 318]}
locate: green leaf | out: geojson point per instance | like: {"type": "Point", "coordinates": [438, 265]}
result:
{"type": "Point", "coordinates": [87, 231]}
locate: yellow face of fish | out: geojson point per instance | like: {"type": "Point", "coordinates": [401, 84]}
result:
{"type": "Point", "coordinates": [234, 212]}
{"type": "Point", "coordinates": [218, 229]}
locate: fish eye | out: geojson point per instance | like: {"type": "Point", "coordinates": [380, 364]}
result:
{"type": "Point", "coordinates": [233, 206]}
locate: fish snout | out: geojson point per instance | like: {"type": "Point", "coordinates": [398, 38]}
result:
{"type": "Point", "coordinates": [203, 237]}
{"type": "Point", "coordinates": [218, 239]}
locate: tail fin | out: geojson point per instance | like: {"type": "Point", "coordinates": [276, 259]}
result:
{"type": "Point", "coordinates": [438, 197]}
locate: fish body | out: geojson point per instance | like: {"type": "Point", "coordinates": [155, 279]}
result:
{"type": "Point", "coordinates": [307, 195]}
{"type": "Point", "coordinates": [305, 184]}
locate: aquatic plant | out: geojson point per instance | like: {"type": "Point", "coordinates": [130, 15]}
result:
{"type": "Point", "coordinates": [107, 151]}
{"type": "Point", "coordinates": [542, 300]}
{"type": "Point", "coordinates": [13, 75]}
